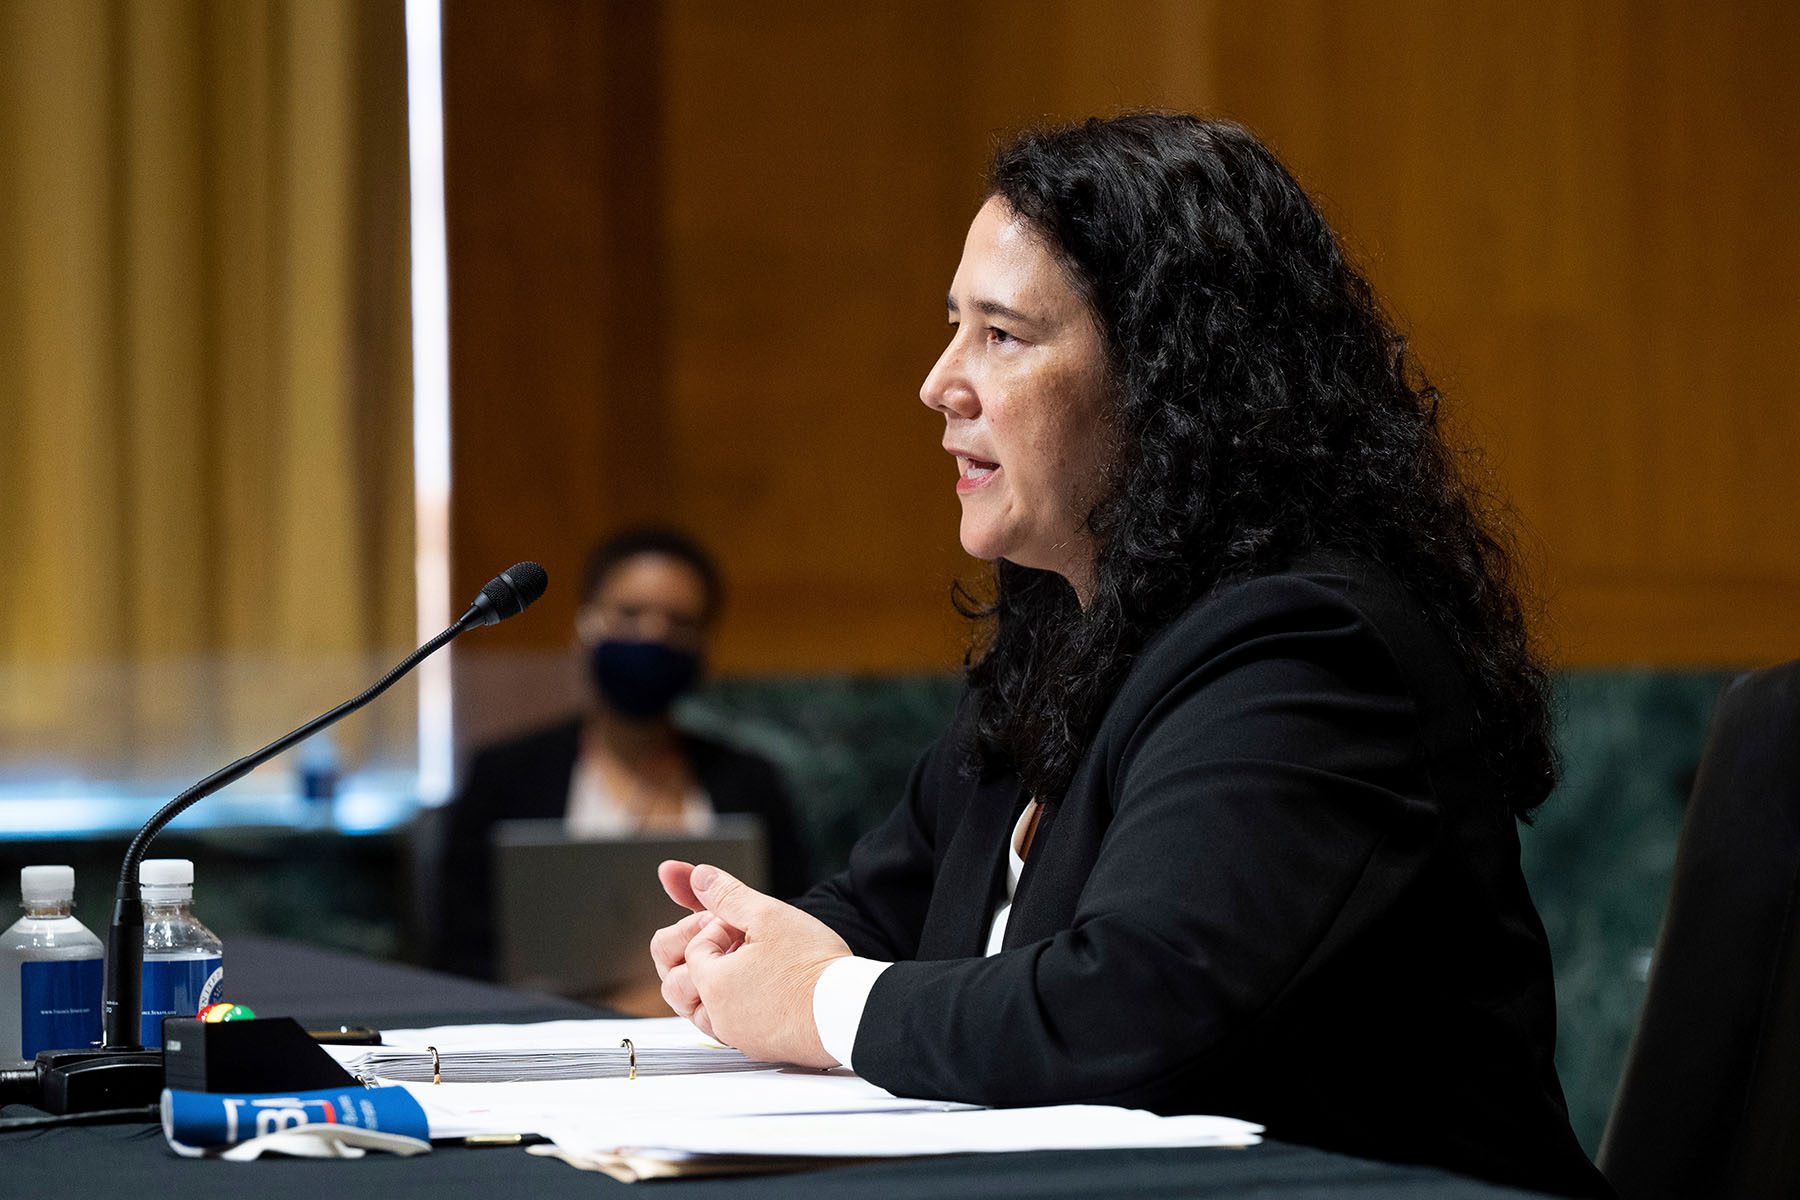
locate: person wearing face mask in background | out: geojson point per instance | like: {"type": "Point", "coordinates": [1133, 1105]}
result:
{"type": "Point", "coordinates": [650, 599]}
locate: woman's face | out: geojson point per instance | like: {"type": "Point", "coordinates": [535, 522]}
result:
{"type": "Point", "coordinates": [1022, 386]}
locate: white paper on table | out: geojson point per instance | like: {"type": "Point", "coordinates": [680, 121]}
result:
{"type": "Point", "coordinates": [899, 1134]}
{"type": "Point", "coordinates": [464, 1109]}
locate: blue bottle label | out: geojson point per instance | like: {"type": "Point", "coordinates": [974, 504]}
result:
{"type": "Point", "coordinates": [59, 1005]}
{"type": "Point", "coordinates": [179, 987]}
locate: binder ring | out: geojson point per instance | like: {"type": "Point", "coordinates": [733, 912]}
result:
{"type": "Point", "coordinates": [631, 1061]}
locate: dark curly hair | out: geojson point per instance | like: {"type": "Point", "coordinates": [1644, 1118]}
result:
{"type": "Point", "coordinates": [1266, 406]}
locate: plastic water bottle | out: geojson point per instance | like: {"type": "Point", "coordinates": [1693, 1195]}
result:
{"type": "Point", "coordinates": [184, 962]}
{"type": "Point", "coordinates": [50, 970]}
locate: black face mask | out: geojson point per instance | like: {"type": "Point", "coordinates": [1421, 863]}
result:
{"type": "Point", "coordinates": [642, 679]}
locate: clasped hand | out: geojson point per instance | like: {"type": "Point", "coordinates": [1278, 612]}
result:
{"type": "Point", "coordinates": [742, 965]}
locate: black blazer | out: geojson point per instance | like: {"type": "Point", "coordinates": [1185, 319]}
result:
{"type": "Point", "coordinates": [1280, 887]}
{"type": "Point", "coordinates": [528, 778]}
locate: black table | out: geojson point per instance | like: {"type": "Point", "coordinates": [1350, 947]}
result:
{"type": "Point", "coordinates": [325, 987]}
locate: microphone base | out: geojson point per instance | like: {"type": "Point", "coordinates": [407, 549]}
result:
{"type": "Point", "coordinates": [79, 1081]}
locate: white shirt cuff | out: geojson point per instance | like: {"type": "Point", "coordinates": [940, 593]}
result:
{"type": "Point", "coordinates": [838, 999]}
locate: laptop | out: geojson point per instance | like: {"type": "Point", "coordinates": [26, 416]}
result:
{"type": "Point", "coordinates": [574, 916]}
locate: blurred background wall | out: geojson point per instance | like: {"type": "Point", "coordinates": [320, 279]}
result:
{"type": "Point", "coordinates": [697, 251]}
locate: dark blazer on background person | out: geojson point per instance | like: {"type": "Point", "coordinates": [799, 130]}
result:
{"type": "Point", "coordinates": [528, 778]}
{"type": "Point", "coordinates": [1281, 887]}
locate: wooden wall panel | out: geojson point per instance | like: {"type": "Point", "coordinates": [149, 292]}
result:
{"type": "Point", "coordinates": [526, 211]}
{"type": "Point", "coordinates": [698, 249]}
{"type": "Point", "coordinates": [813, 213]}
{"type": "Point", "coordinates": [1584, 215]}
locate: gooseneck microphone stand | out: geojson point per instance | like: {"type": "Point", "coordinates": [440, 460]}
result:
{"type": "Point", "coordinates": [121, 1073]}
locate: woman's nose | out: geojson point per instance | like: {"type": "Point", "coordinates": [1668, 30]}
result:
{"type": "Point", "coordinates": [948, 389]}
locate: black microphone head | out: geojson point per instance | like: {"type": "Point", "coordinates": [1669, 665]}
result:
{"type": "Point", "coordinates": [510, 593]}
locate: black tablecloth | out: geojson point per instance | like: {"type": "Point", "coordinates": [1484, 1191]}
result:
{"type": "Point", "coordinates": [323, 987]}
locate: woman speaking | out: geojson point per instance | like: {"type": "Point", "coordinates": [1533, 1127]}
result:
{"type": "Point", "coordinates": [1225, 820]}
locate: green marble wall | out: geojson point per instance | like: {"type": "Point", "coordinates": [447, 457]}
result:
{"type": "Point", "coordinates": [845, 743]}
{"type": "Point", "coordinates": [350, 893]}
{"type": "Point", "coordinates": [1601, 855]}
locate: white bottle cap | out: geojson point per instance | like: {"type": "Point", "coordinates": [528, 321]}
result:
{"type": "Point", "coordinates": [46, 885]}
{"type": "Point", "coordinates": [166, 872]}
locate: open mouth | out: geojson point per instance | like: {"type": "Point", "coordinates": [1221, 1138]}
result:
{"type": "Point", "coordinates": [975, 473]}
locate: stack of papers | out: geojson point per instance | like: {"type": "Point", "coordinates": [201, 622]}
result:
{"type": "Point", "coordinates": [698, 1108]}
{"type": "Point", "coordinates": [547, 1050]}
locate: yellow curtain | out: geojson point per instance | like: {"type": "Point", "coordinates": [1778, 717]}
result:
{"type": "Point", "coordinates": [205, 398]}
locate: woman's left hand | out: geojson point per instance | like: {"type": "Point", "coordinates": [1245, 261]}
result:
{"type": "Point", "coordinates": [752, 967]}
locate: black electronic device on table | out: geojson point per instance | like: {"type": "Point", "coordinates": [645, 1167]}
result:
{"type": "Point", "coordinates": [120, 1073]}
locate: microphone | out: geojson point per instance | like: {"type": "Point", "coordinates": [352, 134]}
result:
{"type": "Point", "coordinates": [121, 1073]}
{"type": "Point", "coordinates": [508, 594]}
